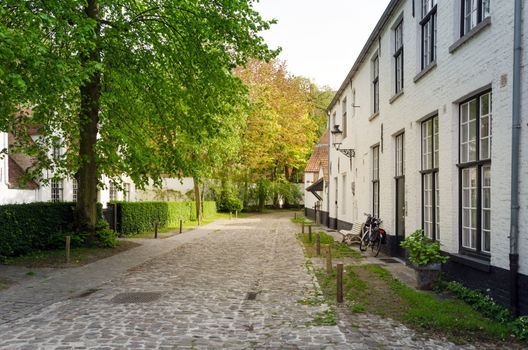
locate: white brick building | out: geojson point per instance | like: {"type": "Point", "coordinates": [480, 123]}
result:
{"type": "Point", "coordinates": [426, 111]}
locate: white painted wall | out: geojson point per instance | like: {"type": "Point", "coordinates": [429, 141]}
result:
{"type": "Point", "coordinates": [486, 59]}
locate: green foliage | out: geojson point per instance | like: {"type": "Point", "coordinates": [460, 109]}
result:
{"type": "Point", "coordinates": [26, 228]}
{"type": "Point", "coordinates": [520, 328]}
{"type": "Point", "coordinates": [481, 302]}
{"type": "Point", "coordinates": [106, 238]}
{"type": "Point", "coordinates": [227, 199]}
{"type": "Point", "coordinates": [209, 209]}
{"type": "Point", "coordinates": [139, 217]}
{"type": "Point", "coordinates": [422, 251]}
{"type": "Point", "coordinates": [288, 191]}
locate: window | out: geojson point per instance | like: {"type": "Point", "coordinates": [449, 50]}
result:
{"type": "Point", "coordinates": [430, 185]}
{"type": "Point", "coordinates": [344, 195]}
{"type": "Point", "coordinates": [56, 190]}
{"type": "Point", "coordinates": [75, 187]}
{"type": "Point", "coordinates": [56, 153]}
{"type": "Point", "coordinates": [126, 192]}
{"type": "Point", "coordinates": [113, 192]}
{"type": "Point", "coordinates": [473, 12]}
{"type": "Point", "coordinates": [400, 165]}
{"type": "Point", "coordinates": [375, 181]}
{"type": "Point", "coordinates": [344, 117]}
{"type": "Point", "coordinates": [398, 57]}
{"type": "Point", "coordinates": [375, 84]}
{"type": "Point", "coordinates": [428, 24]}
{"type": "Point", "coordinates": [475, 173]}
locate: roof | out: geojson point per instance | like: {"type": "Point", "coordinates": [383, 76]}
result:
{"type": "Point", "coordinates": [371, 40]}
{"type": "Point", "coordinates": [319, 157]}
{"type": "Point", "coordinates": [15, 172]}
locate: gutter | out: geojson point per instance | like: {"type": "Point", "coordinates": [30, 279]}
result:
{"type": "Point", "coordinates": [515, 159]}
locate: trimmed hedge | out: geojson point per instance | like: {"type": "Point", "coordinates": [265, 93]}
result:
{"type": "Point", "coordinates": [25, 228]}
{"type": "Point", "coordinates": [139, 217]}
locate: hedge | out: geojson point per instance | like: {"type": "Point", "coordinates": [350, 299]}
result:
{"type": "Point", "coordinates": [25, 228]}
{"type": "Point", "coordinates": [139, 217]}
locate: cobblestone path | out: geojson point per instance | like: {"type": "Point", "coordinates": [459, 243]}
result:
{"type": "Point", "coordinates": [237, 287]}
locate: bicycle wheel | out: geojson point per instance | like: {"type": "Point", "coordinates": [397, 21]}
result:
{"type": "Point", "coordinates": [376, 246]}
{"type": "Point", "coordinates": [363, 243]}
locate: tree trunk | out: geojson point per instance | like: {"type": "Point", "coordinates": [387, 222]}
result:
{"type": "Point", "coordinates": [87, 174]}
{"type": "Point", "coordinates": [198, 200]}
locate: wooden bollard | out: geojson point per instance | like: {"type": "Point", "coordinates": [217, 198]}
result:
{"type": "Point", "coordinates": [310, 233]}
{"type": "Point", "coordinates": [302, 226]}
{"type": "Point", "coordinates": [236, 214]}
{"type": "Point", "coordinates": [68, 244]}
{"type": "Point", "coordinates": [230, 215]}
{"type": "Point", "coordinates": [328, 259]}
{"type": "Point", "coordinates": [318, 243]}
{"type": "Point", "coordinates": [156, 230]}
{"type": "Point", "coordinates": [295, 215]}
{"type": "Point", "coordinates": [339, 294]}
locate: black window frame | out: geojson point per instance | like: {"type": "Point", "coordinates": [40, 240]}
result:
{"type": "Point", "coordinates": [375, 181]}
{"type": "Point", "coordinates": [398, 55]}
{"type": "Point", "coordinates": [375, 83]}
{"type": "Point", "coordinates": [429, 18]}
{"type": "Point", "coordinates": [480, 16]}
{"type": "Point", "coordinates": [478, 164]}
{"type": "Point", "coordinates": [57, 190]}
{"type": "Point", "coordinates": [433, 171]}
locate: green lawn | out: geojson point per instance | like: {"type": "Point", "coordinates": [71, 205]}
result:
{"type": "Point", "coordinates": [372, 289]}
{"type": "Point", "coordinates": [339, 250]}
{"type": "Point", "coordinates": [78, 256]}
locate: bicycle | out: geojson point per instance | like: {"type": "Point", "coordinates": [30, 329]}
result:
{"type": "Point", "coordinates": [373, 236]}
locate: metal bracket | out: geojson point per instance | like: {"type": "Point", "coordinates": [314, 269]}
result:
{"type": "Point", "coordinates": [347, 152]}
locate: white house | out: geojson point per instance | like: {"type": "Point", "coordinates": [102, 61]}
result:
{"type": "Point", "coordinates": [421, 136]}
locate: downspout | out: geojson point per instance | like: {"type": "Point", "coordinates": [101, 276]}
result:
{"type": "Point", "coordinates": [516, 137]}
{"type": "Point", "coordinates": [328, 170]}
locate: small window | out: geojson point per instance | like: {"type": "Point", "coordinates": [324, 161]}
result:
{"type": "Point", "coordinates": [473, 12]}
{"type": "Point", "coordinates": [126, 192]}
{"type": "Point", "coordinates": [375, 84]}
{"type": "Point", "coordinates": [113, 192]}
{"type": "Point", "coordinates": [398, 57]}
{"type": "Point", "coordinates": [344, 116]}
{"type": "Point", "coordinates": [75, 187]}
{"type": "Point", "coordinates": [428, 26]}
{"type": "Point", "coordinates": [56, 190]}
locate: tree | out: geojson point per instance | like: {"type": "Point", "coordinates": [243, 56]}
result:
{"type": "Point", "coordinates": [122, 84]}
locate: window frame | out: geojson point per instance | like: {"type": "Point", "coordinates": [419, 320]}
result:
{"type": "Point", "coordinates": [478, 164]}
{"type": "Point", "coordinates": [429, 21]}
{"type": "Point", "coordinates": [398, 58]}
{"type": "Point", "coordinates": [344, 116]}
{"type": "Point", "coordinates": [112, 192]}
{"type": "Point", "coordinates": [480, 15]}
{"type": "Point", "coordinates": [375, 84]}
{"type": "Point", "coordinates": [57, 190]}
{"type": "Point", "coordinates": [75, 190]}
{"type": "Point", "coordinates": [375, 181]}
{"type": "Point", "coordinates": [432, 172]}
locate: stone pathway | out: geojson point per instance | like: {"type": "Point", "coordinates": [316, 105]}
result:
{"type": "Point", "coordinates": [233, 285]}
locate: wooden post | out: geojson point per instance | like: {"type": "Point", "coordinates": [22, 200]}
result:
{"type": "Point", "coordinates": [236, 214]}
{"type": "Point", "coordinates": [328, 259]}
{"type": "Point", "coordinates": [295, 215]}
{"type": "Point", "coordinates": [339, 283]}
{"type": "Point", "coordinates": [68, 243]}
{"type": "Point", "coordinates": [181, 225]}
{"type": "Point", "coordinates": [302, 226]}
{"type": "Point", "coordinates": [156, 230]}
{"type": "Point", "coordinates": [230, 215]}
{"type": "Point", "coordinates": [318, 243]}
{"type": "Point", "coordinates": [310, 233]}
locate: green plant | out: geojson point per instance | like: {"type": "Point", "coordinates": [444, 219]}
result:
{"type": "Point", "coordinates": [106, 237]}
{"type": "Point", "coordinates": [480, 302]}
{"type": "Point", "coordinates": [422, 251]}
{"type": "Point", "coordinates": [520, 328]}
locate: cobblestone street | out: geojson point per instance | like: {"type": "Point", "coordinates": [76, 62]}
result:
{"type": "Point", "coordinates": [237, 286]}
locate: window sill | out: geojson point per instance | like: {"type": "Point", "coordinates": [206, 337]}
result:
{"type": "Point", "coordinates": [373, 116]}
{"type": "Point", "coordinates": [424, 71]}
{"type": "Point", "coordinates": [481, 263]}
{"type": "Point", "coordinates": [396, 96]}
{"type": "Point", "coordinates": [472, 33]}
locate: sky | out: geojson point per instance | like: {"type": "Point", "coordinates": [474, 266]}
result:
{"type": "Point", "coordinates": [320, 39]}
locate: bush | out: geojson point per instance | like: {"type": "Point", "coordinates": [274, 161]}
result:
{"type": "Point", "coordinates": [139, 217]}
{"type": "Point", "coordinates": [422, 251]}
{"type": "Point", "coordinates": [106, 237]}
{"type": "Point", "coordinates": [26, 228]}
{"type": "Point", "coordinates": [520, 328]}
